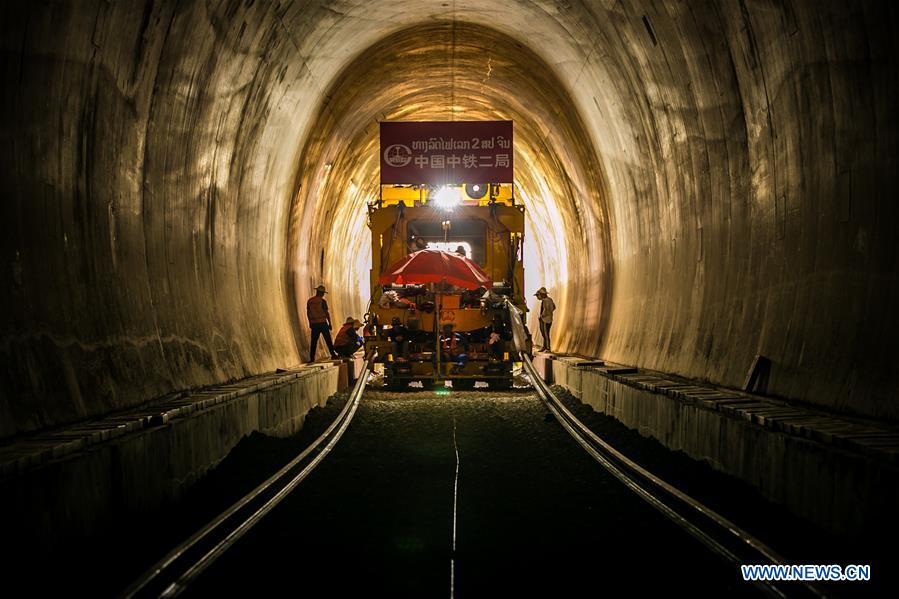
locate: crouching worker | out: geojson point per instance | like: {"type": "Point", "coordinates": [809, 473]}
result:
{"type": "Point", "coordinates": [452, 349]}
{"type": "Point", "coordinates": [348, 340]}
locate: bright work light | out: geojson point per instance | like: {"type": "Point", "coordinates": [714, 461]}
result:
{"type": "Point", "coordinates": [447, 197]}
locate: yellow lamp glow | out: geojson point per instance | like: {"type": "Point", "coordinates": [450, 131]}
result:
{"type": "Point", "coordinates": [447, 197]}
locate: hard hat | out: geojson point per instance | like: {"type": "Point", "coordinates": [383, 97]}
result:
{"type": "Point", "coordinates": [321, 288]}
{"type": "Point", "coordinates": [541, 291]}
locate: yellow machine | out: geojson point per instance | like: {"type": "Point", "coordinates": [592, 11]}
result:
{"type": "Point", "coordinates": [436, 332]}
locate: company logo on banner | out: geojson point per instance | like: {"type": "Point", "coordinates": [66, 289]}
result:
{"type": "Point", "coordinates": [442, 152]}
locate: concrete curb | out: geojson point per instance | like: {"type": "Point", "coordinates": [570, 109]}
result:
{"type": "Point", "coordinates": [81, 482]}
{"type": "Point", "coordinates": [23, 454]}
{"type": "Point", "coordinates": [840, 473]}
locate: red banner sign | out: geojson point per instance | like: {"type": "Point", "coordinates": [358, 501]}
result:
{"type": "Point", "coordinates": [441, 152]}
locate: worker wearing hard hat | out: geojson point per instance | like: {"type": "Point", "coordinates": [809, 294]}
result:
{"type": "Point", "coordinates": [348, 340]}
{"type": "Point", "coordinates": [319, 322]}
{"type": "Point", "coordinates": [547, 307]}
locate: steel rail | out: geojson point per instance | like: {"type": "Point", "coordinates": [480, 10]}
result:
{"type": "Point", "coordinates": [607, 455]}
{"type": "Point", "coordinates": [161, 568]}
{"type": "Point", "coordinates": [629, 482]}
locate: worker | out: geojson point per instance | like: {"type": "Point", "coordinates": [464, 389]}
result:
{"type": "Point", "coordinates": [496, 338]}
{"type": "Point", "coordinates": [399, 336]}
{"type": "Point", "coordinates": [547, 307]}
{"type": "Point", "coordinates": [319, 322]}
{"type": "Point", "coordinates": [452, 349]}
{"type": "Point", "coordinates": [348, 340]}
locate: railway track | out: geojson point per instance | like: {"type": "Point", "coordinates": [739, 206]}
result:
{"type": "Point", "coordinates": [717, 533]}
{"type": "Point", "coordinates": [178, 569]}
{"type": "Point", "coordinates": [175, 572]}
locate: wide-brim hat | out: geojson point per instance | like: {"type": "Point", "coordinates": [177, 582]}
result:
{"type": "Point", "coordinates": [541, 291]}
{"type": "Point", "coordinates": [321, 288]}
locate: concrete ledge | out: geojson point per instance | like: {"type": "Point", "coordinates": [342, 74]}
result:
{"type": "Point", "coordinates": [839, 473]}
{"type": "Point", "coordinates": [138, 462]}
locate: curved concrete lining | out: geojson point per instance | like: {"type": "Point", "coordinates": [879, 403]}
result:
{"type": "Point", "coordinates": [735, 171]}
{"type": "Point", "coordinates": [454, 71]}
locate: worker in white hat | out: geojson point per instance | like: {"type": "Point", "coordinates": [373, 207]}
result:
{"type": "Point", "coordinates": [348, 340]}
{"type": "Point", "coordinates": [547, 307]}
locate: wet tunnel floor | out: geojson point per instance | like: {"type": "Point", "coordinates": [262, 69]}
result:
{"type": "Point", "coordinates": [536, 516]}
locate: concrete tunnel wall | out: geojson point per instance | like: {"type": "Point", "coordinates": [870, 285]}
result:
{"type": "Point", "coordinates": [731, 192]}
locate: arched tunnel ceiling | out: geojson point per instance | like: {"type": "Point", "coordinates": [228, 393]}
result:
{"type": "Point", "coordinates": [459, 71]}
{"type": "Point", "coordinates": [735, 174]}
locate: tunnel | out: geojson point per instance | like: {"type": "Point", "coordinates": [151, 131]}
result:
{"type": "Point", "coordinates": [706, 184]}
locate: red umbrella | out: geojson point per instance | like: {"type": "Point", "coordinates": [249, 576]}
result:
{"type": "Point", "coordinates": [433, 266]}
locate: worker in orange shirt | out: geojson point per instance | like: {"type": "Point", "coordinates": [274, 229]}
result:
{"type": "Point", "coordinates": [348, 340]}
{"type": "Point", "coordinates": [319, 322]}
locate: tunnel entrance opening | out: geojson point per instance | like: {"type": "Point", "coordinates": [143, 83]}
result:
{"type": "Point", "coordinates": [471, 236]}
{"type": "Point", "coordinates": [486, 75]}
